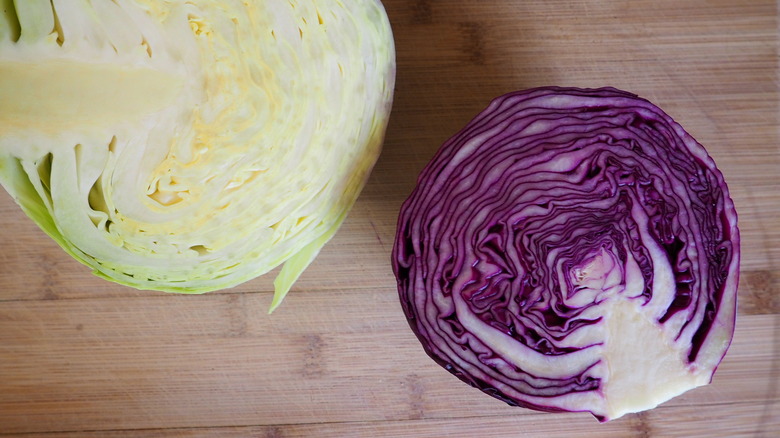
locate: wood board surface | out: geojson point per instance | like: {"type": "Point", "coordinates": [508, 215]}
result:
{"type": "Point", "coordinates": [83, 357]}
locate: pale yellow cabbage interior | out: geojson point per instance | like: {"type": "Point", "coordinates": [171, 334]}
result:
{"type": "Point", "coordinates": [192, 146]}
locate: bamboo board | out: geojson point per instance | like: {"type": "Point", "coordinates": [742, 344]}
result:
{"type": "Point", "coordinates": [80, 357]}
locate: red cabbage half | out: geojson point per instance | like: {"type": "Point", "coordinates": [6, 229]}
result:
{"type": "Point", "coordinates": [571, 250]}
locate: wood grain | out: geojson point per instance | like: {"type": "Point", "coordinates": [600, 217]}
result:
{"type": "Point", "coordinates": [80, 357]}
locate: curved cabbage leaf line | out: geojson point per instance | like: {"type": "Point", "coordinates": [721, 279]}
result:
{"type": "Point", "coordinates": [192, 146]}
{"type": "Point", "coordinates": [571, 250]}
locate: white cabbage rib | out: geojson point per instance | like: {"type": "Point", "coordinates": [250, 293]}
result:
{"type": "Point", "coordinates": [192, 146]}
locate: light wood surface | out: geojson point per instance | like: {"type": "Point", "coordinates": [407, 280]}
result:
{"type": "Point", "coordinates": [80, 357]}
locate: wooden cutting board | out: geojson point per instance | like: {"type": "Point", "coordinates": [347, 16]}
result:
{"type": "Point", "coordinates": [83, 357]}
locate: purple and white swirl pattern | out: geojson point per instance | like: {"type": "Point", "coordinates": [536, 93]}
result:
{"type": "Point", "coordinates": [571, 250]}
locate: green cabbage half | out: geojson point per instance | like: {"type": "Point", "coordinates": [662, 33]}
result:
{"type": "Point", "coordinates": [189, 146]}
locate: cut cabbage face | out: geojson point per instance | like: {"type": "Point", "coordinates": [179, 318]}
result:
{"type": "Point", "coordinates": [571, 250]}
{"type": "Point", "coordinates": [192, 146]}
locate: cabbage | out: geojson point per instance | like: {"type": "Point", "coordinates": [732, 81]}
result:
{"type": "Point", "coordinates": [571, 250]}
{"type": "Point", "coordinates": [189, 146]}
